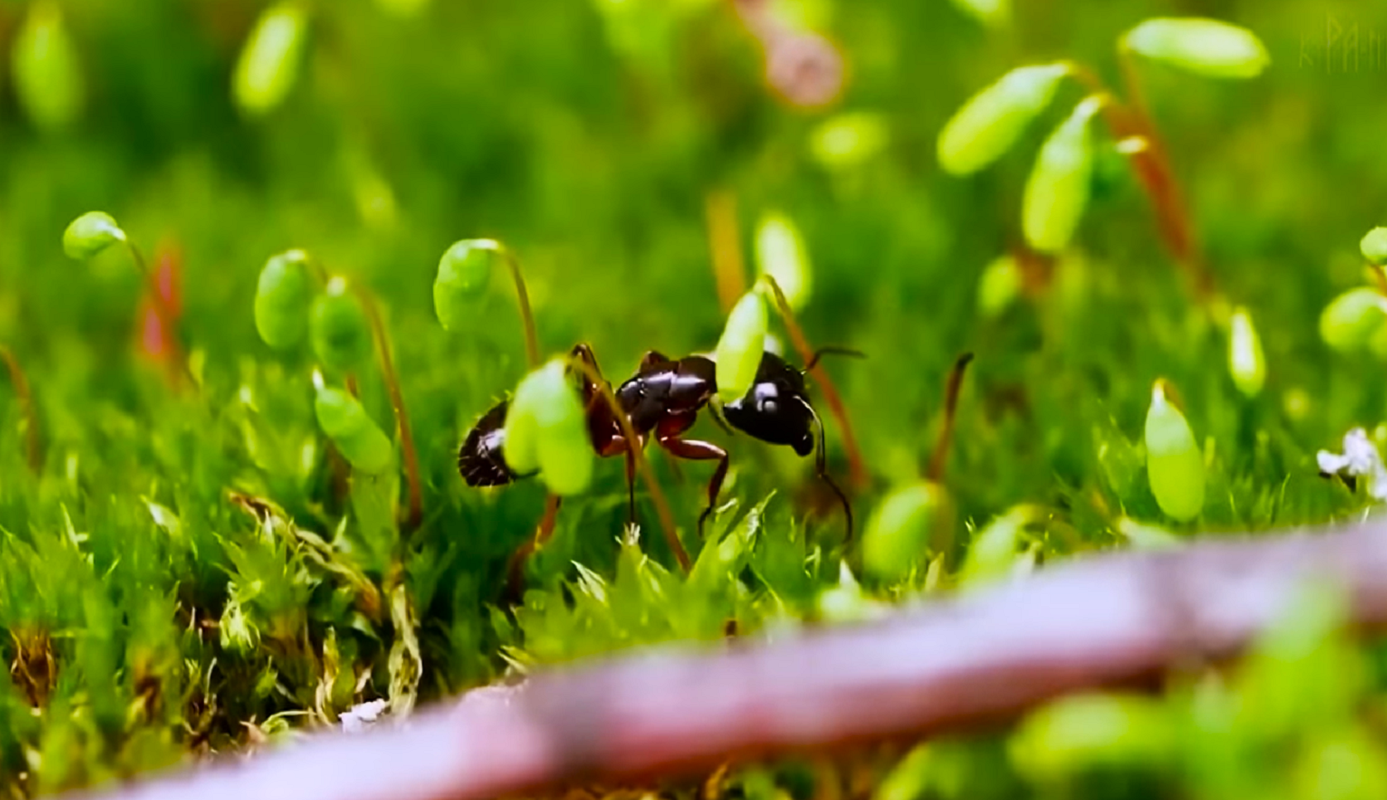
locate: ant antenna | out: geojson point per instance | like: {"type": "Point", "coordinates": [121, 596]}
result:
{"type": "Point", "coordinates": [831, 350]}
{"type": "Point", "coordinates": [821, 466]}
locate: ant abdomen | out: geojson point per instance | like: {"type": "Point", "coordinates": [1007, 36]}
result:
{"type": "Point", "coordinates": [479, 458]}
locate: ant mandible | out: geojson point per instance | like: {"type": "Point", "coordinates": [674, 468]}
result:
{"type": "Point", "coordinates": [662, 402]}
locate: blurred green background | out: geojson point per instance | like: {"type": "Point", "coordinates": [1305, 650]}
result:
{"type": "Point", "coordinates": [588, 135]}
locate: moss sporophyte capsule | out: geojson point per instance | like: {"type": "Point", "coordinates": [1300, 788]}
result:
{"type": "Point", "coordinates": [546, 430]}
{"type": "Point", "coordinates": [1374, 246]}
{"type": "Point", "coordinates": [849, 140]}
{"type": "Point", "coordinates": [338, 327]}
{"type": "Point", "coordinates": [741, 347]}
{"type": "Point", "coordinates": [1246, 361]}
{"type": "Point", "coordinates": [898, 533]}
{"type": "Point", "coordinates": [1349, 323]}
{"type": "Point", "coordinates": [991, 122]}
{"type": "Point", "coordinates": [781, 254]}
{"type": "Point", "coordinates": [269, 62]}
{"type": "Point", "coordinates": [1174, 462]}
{"type": "Point", "coordinates": [464, 273]}
{"type": "Point", "coordinates": [47, 73]}
{"type": "Point", "coordinates": [356, 435]}
{"type": "Point", "coordinates": [1203, 46]}
{"type": "Point", "coordinates": [283, 296]}
{"type": "Point", "coordinates": [90, 234]}
{"type": "Point", "coordinates": [1057, 192]}
{"type": "Point", "coordinates": [1001, 283]}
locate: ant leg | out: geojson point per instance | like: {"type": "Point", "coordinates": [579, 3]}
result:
{"type": "Point", "coordinates": [583, 350]}
{"type": "Point", "coordinates": [831, 350]}
{"type": "Point", "coordinates": [694, 450]}
{"type": "Point", "coordinates": [617, 445]}
{"type": "Point", "coordinates": [651, 358]}
{"type": "Point", "coordinates": [821, 467]}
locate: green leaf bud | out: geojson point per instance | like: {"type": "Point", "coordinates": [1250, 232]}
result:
{"type": "Point", "coordinates": [1352, 319]}
{"type": "Point", "coordinates": [269, 63]}
{"type": "Point", "coordinates": [741, 347]}
{"type": "Point", "coordinates": [1000, 285]}
{"type": "Point", "coordinates": [1246, 362]}
{"type": "Point", "coordinates": [89, 234]}
{"type": "Point", "coordinates": [546, 429]}
{"type": "Point", "coordinates": [1058, 189]}
{"type": "Point", "coordinates": [464, 272]}
{"type": "Point", "coordinates": [989, 124]}
{"type": "Point", "coordinates": [283, 296]}
{"type": "Point", "coordinates": [357, 436]}
{"type": "Point", "coordinates": [848, 140]}
{"type": "Point", "coordinates": [1374, 246]}
{"type": "Point", "coordinates": [338, 327]}
{"type": "Point", "coordinates": [898, 533]}
{"type": "Point", "coordinates": [47, 72]}
{"type": "Point", "coordinates": [1174, 463]}
{"type": "Point", "coordinates": [1203, 46]}
{"type": "Point", "coordinates": [780, 253]}
{"type": "Point", "coordinates": [1088, 731]}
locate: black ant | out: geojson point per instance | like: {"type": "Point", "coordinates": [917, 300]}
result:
{"type": "Point", "coordinates": [662, 401]}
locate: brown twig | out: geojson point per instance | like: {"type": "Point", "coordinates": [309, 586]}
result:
{"type": "Point", "coordinates": [415, 513]}
{"type": "Point", "coordinates": [954, 665]}
{"type": "Point", "coordinates": [939, 457]}
{"type": "Point", "coordinates": [857, 470]}
{"type": "Point", "coordinates": [633, 444]}
{"type": "Point", "coordinates": [20, 383]}
{"type": "Point", "coordinates": [724, 242]}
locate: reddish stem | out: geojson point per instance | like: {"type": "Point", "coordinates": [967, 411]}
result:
{"type": "Point", "coordinates": [168, 317]}
{"type": "Point", "coordinates": [1153, 169]}
{"type": "Point", "coordinates": [415, 513]}
{"type": "Point", "coordinates": [522, 299]}
{"type": "Point", "coordinates": [939, 459]}
{"type": "Point", "coordinates": [25, 397]}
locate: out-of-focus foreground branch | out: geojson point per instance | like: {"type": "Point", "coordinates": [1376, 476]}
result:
{"type": "Point", "coordinates": [946, 666]}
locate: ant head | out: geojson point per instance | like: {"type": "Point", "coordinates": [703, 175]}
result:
{"type": "Point", "coordinates": [479, 459]}
{"type": "Point", "coordinates": [776, 409]}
